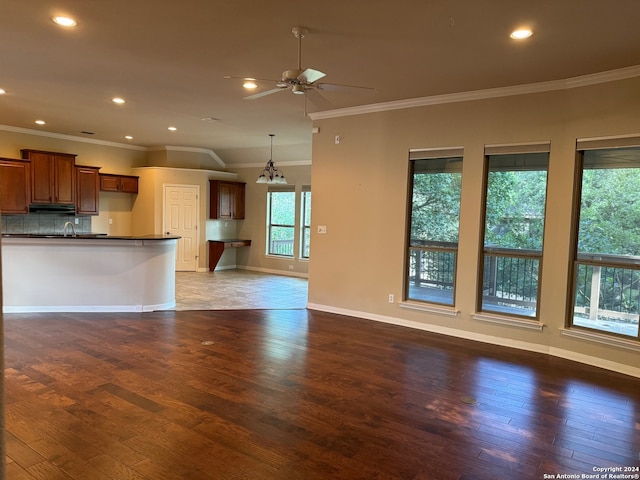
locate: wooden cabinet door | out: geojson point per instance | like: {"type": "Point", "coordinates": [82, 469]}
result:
{"type": "Point", "coordinates": [226, 200]}
{"type": "Point", "coordinates": [64, 179]}
{"type": "Point", "coordinates": [53, 176]}
{"type": "Point", "coordinates": [109, 183]}
{"type": "Point", "coordinates": [15, 182]}
{"type": "Point", "coordinates": [129, 184]}
{"type": "Point", "coordinates": [41, 178]}
{"type": "Point", "coordinates": [87, 191]}
{"type": "Point", "coordinates": [239, 201]}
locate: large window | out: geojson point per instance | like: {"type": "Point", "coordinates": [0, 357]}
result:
{"type": "Point", "coordinates": [435, 185]}
{"type": "Point", "coordinates": [515, 197]}
{"type": "Point", "coordinates": [305, 235]}
{"type": "Point", "coordinates": [606, 267]}
{"type": "Point", "coordinates": [281, 218]}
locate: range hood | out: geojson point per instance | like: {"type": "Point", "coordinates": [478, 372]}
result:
{"type": "Point", "coordinates": [52, 208]}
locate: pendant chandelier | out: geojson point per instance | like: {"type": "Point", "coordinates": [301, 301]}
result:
{"type": "Point", "coordinates": [271, 175]}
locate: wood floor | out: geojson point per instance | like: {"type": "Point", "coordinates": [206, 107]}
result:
{"type": "Point", "coordinates": [296, 394]}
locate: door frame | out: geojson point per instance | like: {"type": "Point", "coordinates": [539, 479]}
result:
{"type": "Point", "coordinates": [197, 217]}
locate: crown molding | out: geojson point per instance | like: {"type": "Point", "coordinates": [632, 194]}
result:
{"type": "Point", "coordinates": [564, 84]}
{"type": "Point", "coordinates": [298, 163]}
{"type": "Point", "coordinates": [206, 151]}
{"type": "Point", "coordinates": [71, 138]}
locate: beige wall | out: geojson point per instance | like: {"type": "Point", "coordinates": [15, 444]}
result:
{"type": "Point", "coordinates": [254, 226]}
{"type": "Point", "coordinates": [360, 194]}
{"type": "Point", "coordinates": [148, 207]}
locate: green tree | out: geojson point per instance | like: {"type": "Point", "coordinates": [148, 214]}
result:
{"type": "Point", "coordinates": [435, 207]}
{"type": "Point", "coordinates": [610, 211]}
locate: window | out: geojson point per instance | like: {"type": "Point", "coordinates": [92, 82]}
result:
{"type": "Point", "coordinates": [305, 235]}
{"type": "Point", "coordinates": [281, 216]}
{"type": "Point", "coordinates": [435, 185]}
{"type": "Point", "coordinates": [515, 197]}
{"type": "Point", "coordinates": [606, 266]}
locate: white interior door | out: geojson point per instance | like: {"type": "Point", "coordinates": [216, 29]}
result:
{"type": "Point", "coordinates": [181, 218]}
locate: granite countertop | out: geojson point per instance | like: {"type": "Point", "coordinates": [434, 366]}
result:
{"type": "Point", "coordinates": [93, 236]}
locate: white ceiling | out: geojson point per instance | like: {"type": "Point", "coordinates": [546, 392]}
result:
{"type": "Point", "coordinates": [168, 60]}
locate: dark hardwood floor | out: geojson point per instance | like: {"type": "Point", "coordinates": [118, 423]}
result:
{"type": "Point", "coordinates": [295, 394]}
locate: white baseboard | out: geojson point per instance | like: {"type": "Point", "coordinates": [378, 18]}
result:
{"type": "Point", "coordinates": [87, 308]}
{"type": "Point", "coordinates": [286, 273]}
{"type": "Point", "coordinates": [501, 341]}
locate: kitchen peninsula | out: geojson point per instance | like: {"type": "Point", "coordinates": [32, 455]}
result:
{"type": "Point", "coordinates": [88, 273]}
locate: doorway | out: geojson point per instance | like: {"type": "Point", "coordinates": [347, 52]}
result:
{"type": "Point", "coordinates": [181, 217]}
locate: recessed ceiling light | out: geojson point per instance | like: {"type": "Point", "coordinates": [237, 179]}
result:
{"type": "Point", "coordinates": [521, 34]}
{"type": "Point", "coordinates": [65, 21]}
{"type": "Point", "coordinates": [128, 137]}
{"type": "Point", "coordinates": [118, 100]}
{"type": "Point", "coordinates": [2, 91]}
{"type": "Point", "coordinates": [173, 129]}
{"type": "Point", "coordinates": [250, 83]}
{"type": "Point", "coordinates": [40, 122]}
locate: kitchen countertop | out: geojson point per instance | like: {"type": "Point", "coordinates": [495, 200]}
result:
{"type": "Point", "coordinates": [91, 236]}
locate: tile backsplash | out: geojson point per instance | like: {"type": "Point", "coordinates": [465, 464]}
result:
{"type": "Point", "coordinates": [43, 223]}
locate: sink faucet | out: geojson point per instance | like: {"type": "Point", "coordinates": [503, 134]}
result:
{"type": "Point", "coordinates": [64, 229]}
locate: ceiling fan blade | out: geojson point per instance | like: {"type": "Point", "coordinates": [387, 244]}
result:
{"type": "Point", "coordinates": [310, 75]}
{"type": "Point", "coordinates": [336, 87]}
{"type": "Point", "coordinates": [250, 78]}
{"type": "Point", "coordinates": [265, 93]}
{"type": "Point", "coordinates": [317, 99]}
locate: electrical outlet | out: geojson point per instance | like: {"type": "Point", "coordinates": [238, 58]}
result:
{"type": "Point", "coordinates": [110, 221]}
{"type": "Point", "coordinates": [392, 299]}
{"type": "Point", "coordinates": [322, 229]}
{"type": "Point", "coordinates": [77, 221]}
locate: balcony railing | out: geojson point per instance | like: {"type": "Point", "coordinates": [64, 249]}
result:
{"type": "Point", "coordinates": [510, 280]}
{"type": "Point", "coordinates": [607, 293]}
{"type": "Point", "coordinates": [607, 287]}
{"type": "Point", "coordinates": [281, 247]}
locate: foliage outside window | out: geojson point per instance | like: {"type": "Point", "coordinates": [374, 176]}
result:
{"type": "Point", "coordinates": [305, 236]}
{"type": "Point", "coordinates": [606, 271]}
{"type": "Point", "coordinates": [515, 200]}
{"type": "Point", "coordinates": [433, 231]}
{"type": "Point", "coordinates": [281, 214]}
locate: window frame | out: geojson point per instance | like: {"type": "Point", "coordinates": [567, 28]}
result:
{"type": "Point", "coordinates": [602, 260]}
{"type": "Point", "coordinates": [275, 190]}
{"type": "Point", "coordinates": [435, 247]}
{"type": "Point", "coordinates": [304, 228]}
{"type": "Point", "coordinates": [485, 251]}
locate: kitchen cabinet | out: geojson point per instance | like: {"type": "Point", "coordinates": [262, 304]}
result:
{"type": "Point", "coordinates": [53, 177]}
{"type": "Point", "coordinates": [15, 183]}
{"type": "Point", "coordinates": [87, 190]}
{"type": "Point", "coordinates": [216, 249]}
{"type": "Point", "coordinates": [118, 183]}
{"type": "Point", "coordinates": [226, 200]}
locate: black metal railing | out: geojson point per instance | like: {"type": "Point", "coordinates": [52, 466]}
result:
{"type": "Point", "coordinates": [281, 247]}
{"type": "Point", "coordinates": [607, 288]}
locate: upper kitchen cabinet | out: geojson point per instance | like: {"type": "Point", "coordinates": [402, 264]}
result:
{"type": "Point", "coordinates": [87, 190]}
{"type": "Point", "coordinates": [118, 183]}
{"type": "Point", "coordinates": [226, 200]}
{"type": "Point", "coordinates": [15, 184]}
{"type": "Point", "coordinates": [53, 177]}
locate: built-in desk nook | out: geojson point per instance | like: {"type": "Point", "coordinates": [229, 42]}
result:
{"type": "Point", "coordinates": [216, 249]}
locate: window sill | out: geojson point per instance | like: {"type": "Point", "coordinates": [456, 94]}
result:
{"type": "Point", "coordinates": [451, 312]}
{"type": "Point", "coordinates": [280, 257]}
{"type": "Point", "coordinates": [513, 322]}
{"type": "Point", "coordinates": [601, 338]}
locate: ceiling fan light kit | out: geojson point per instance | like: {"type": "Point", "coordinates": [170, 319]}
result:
{"type": "Point", "coordinates": [270, 174]}
{"type": "Point", "coordinates": [301, 80]}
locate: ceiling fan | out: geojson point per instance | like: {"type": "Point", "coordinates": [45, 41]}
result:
{"type": "Point", "coordinates": [302, 81]}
